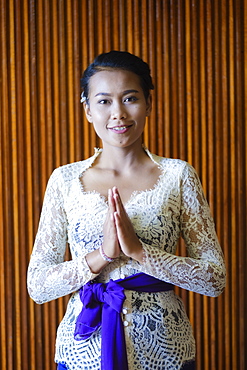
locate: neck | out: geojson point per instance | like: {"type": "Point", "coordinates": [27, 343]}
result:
{"type": "Point", "coordinates": [121, 159]}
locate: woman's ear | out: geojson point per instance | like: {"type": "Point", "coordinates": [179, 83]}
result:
{"type": "Point", "coordinates": [87, 111]}
{"type": "Point", "coordinates": [149, 105]}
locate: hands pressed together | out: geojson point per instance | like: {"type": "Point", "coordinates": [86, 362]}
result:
{"type": "Point", "coordinates": [119, 234]}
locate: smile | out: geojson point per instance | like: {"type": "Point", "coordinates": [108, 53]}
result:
{"type": "Point", "coordinates": [120, 129]}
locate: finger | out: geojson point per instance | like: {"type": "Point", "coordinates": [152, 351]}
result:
{"type": "Point", "coordinates": [116, 194]}
{"type": "Point", "coordinates": [116, 198]}
{"type": "Point", "coordinates": [111, 201]}
{"type": "Point", "coordinates": [122, 222]}
{"type": "Point", "coordinates": [119, 226]}
{"type": "Point", "coordinates": [115, 190]}
{"type": "Point", "coordinates": [119, 205]}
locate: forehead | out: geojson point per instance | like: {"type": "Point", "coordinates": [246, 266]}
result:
{"type": "Point", "coordinates": [114, 80]}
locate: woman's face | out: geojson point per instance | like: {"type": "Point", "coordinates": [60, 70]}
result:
{"type": "Point", "coordinates": [117, 107]}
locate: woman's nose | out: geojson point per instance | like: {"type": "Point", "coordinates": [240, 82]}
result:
{"type": "Point", "coordinates": [118, 112]}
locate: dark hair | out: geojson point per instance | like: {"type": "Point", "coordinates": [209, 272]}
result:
{"type": "Point", "coordinates": [119, 60]}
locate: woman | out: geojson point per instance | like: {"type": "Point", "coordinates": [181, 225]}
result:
{"type": "Point", "coordinates": [122, 212]}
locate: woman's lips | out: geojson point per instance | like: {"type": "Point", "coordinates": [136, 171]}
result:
{"type": "Point", "coordinates": [120, 129]}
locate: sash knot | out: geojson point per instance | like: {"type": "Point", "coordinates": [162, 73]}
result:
{"type": "Point", "coordinates": [102, 307]}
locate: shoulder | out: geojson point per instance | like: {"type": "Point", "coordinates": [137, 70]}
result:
{"type": "Point", "coordinates": [176, 170]}
{"type": "Point", "coordinates": [170, 164]}
{"type": "Point", "coordinates": [67, 173]}
{"type": "Point", "coordinates": [72, 170]}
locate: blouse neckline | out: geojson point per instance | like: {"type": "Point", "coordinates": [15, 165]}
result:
{"type": "Point", "coordinates": [134, 194]}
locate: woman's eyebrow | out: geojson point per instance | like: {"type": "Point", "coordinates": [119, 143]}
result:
{"type": "Point", "coordinates": [124, 92]}
{"type": "Point", "coordinates": [130, 91]}
{"type": "Point", "coordinates": [102, 93]}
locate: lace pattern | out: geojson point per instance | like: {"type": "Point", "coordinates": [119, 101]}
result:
{"type": "Point", "coordinates": [158, 333]}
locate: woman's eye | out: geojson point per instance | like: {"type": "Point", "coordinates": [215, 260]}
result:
{"type": "Point", "coordinates": [103, 101]}
{"type": "Point", "coordinates": [130, 99]}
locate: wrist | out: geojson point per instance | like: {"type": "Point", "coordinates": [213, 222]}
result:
{"type": "Point", "coordinates": [138, 254]}
{"type": "Point", "coordinates": [104, 256]}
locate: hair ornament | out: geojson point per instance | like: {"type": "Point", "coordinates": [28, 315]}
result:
{"type": "Point", "coordinates": [83, 97]}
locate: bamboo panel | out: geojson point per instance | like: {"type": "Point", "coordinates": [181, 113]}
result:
{"type": "Point", "coordinates": [197, 53]}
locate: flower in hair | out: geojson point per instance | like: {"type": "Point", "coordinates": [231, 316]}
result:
{"type": "Point", "coordinates": [83, 97]}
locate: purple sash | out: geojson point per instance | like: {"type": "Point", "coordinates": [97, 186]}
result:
{"type": "Point", "coordinates": [102, 307]}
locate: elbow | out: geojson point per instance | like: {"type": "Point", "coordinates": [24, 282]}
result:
{"type": "Point", "coordinates": [35, 294]}
{"type": "Point", "coordinates": [218, 285]}
{"type": "Point", "coordinates": [216, 293]}
{"type": "Point", "coordinates": [36, 285]}
{"type": "Point", "coordinates": [35, 289]}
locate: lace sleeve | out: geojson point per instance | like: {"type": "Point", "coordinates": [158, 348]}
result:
{"type": "Point", "coordinates": [203, 270]}
{"type": "Point", "coordinates": [49, 277]}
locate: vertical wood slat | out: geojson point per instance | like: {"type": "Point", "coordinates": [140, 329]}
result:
{"type": "Point", "coordinates": [243, 323]}
{"type": "Point", "coordinates": [28, 323]}
{"type": "Point", "coordinates": [4, 220]}
{"type": "Point", "coordinates": [203, 119]}
{"type": "Point", "coordinates": [12, 260]}
{"type": "Point", "coordinates": [233, 255]}
{"type": "Point", "coordinates": [197, 53]}
{"type": "Point", "coordinates": [225, 140]}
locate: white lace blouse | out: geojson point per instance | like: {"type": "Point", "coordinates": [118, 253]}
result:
{"type": "Point", "coordinates": [158, 332]}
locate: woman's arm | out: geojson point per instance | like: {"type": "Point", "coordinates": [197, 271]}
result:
{"type": "Point", "coordinates": [49, 277]}
{"type": "Point", "coordinates": [203, 271]}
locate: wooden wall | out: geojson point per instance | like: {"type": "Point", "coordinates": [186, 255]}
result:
{"type": "Point", "coordinates": [197, 50]}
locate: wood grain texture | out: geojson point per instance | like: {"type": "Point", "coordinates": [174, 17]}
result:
{"type": "Point", "coordinates": [197, 53]}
